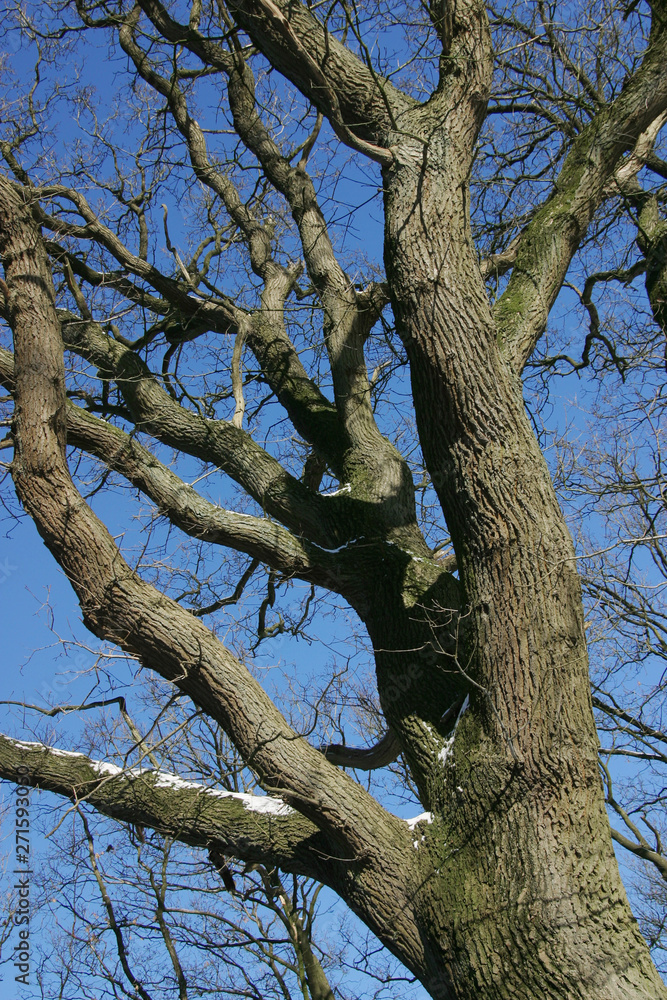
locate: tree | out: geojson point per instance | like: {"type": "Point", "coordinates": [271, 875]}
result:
{"type": "Point", "coordinates": [496, 191]}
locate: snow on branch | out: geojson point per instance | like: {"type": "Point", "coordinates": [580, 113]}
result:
{"type": "Point", "coordinates": [254, 828]}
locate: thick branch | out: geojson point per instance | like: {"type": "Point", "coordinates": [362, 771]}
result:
{"type": "Point", "coordinates": [178, 501]}
{"type": "Point", "coordinates": [361, 106]}
{"type": "Point", "coordinates": [384, 752]}
{"type": "Point", "coordinates": [312, 414]}
{"type": "Point", "coordinates": [556, 230]}
{"type": "Point", "coordinates": [641, 851]}
{"type": "Point", "coordinates": [348, 315]}
{"type": "Point", "coordinates": [652, 240]}
{"type": "Point", "coordinates": [253, 828]}
{"type": "Point", "coordinates": [216, 441]}
{"type": "Point", "coordinates": [497, 264]}
{"type": "Point", "coordinates": [314, 417]}
{"type": "Point", "coordinates": [625, 176]}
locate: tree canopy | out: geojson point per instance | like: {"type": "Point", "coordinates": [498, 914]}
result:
{"type": "Point", "coordinates": [297, 300]}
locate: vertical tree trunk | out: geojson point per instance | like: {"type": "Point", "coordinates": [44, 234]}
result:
{"type": "Point", "coordinates": [526, 889]}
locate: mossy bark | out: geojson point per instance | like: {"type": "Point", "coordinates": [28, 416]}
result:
{"type": "Point", "coordinates": [524, 896]}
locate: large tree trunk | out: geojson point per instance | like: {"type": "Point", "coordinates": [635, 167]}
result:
{"type": "Point", "coordinates": [525, 899]}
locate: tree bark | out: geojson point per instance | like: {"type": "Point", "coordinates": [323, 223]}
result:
{"type": "Point", "coordinates": [526, 898]}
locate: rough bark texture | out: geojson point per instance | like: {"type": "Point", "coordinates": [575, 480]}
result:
{"type": "Point", "coordinates": [511, 890]}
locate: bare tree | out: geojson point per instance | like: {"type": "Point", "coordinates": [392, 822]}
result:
{"type": "Point", "coordinates": [515, 159]}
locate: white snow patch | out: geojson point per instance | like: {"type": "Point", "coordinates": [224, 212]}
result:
{"type": "Point", "coordinates": [62, 753]}
{"type": "Point", "coordinates": [354, 541]}
{"type": "Point", "coordinates": [448, 745]}
{"type": "Point", "coordinates": [163, 779]}
{"type": "Point", "coordinates": [340, 548]}
{"type": "Point", "coordinates": [422, 818]}
{"type": "Point", "coordinates": [110, 770]}
{"type": "Point", "coordinates": [254, 803]}
{"type": "Point", "coordinates": [447, 748]}
{"type": "Point", "coordinates": [412, 555]}
{"type": "Point", "coordinates": [259, 803]}
{"type": "Point", "coordinates": [41, 746]}
{"type": "Point", "coordinates": [343, 489]}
